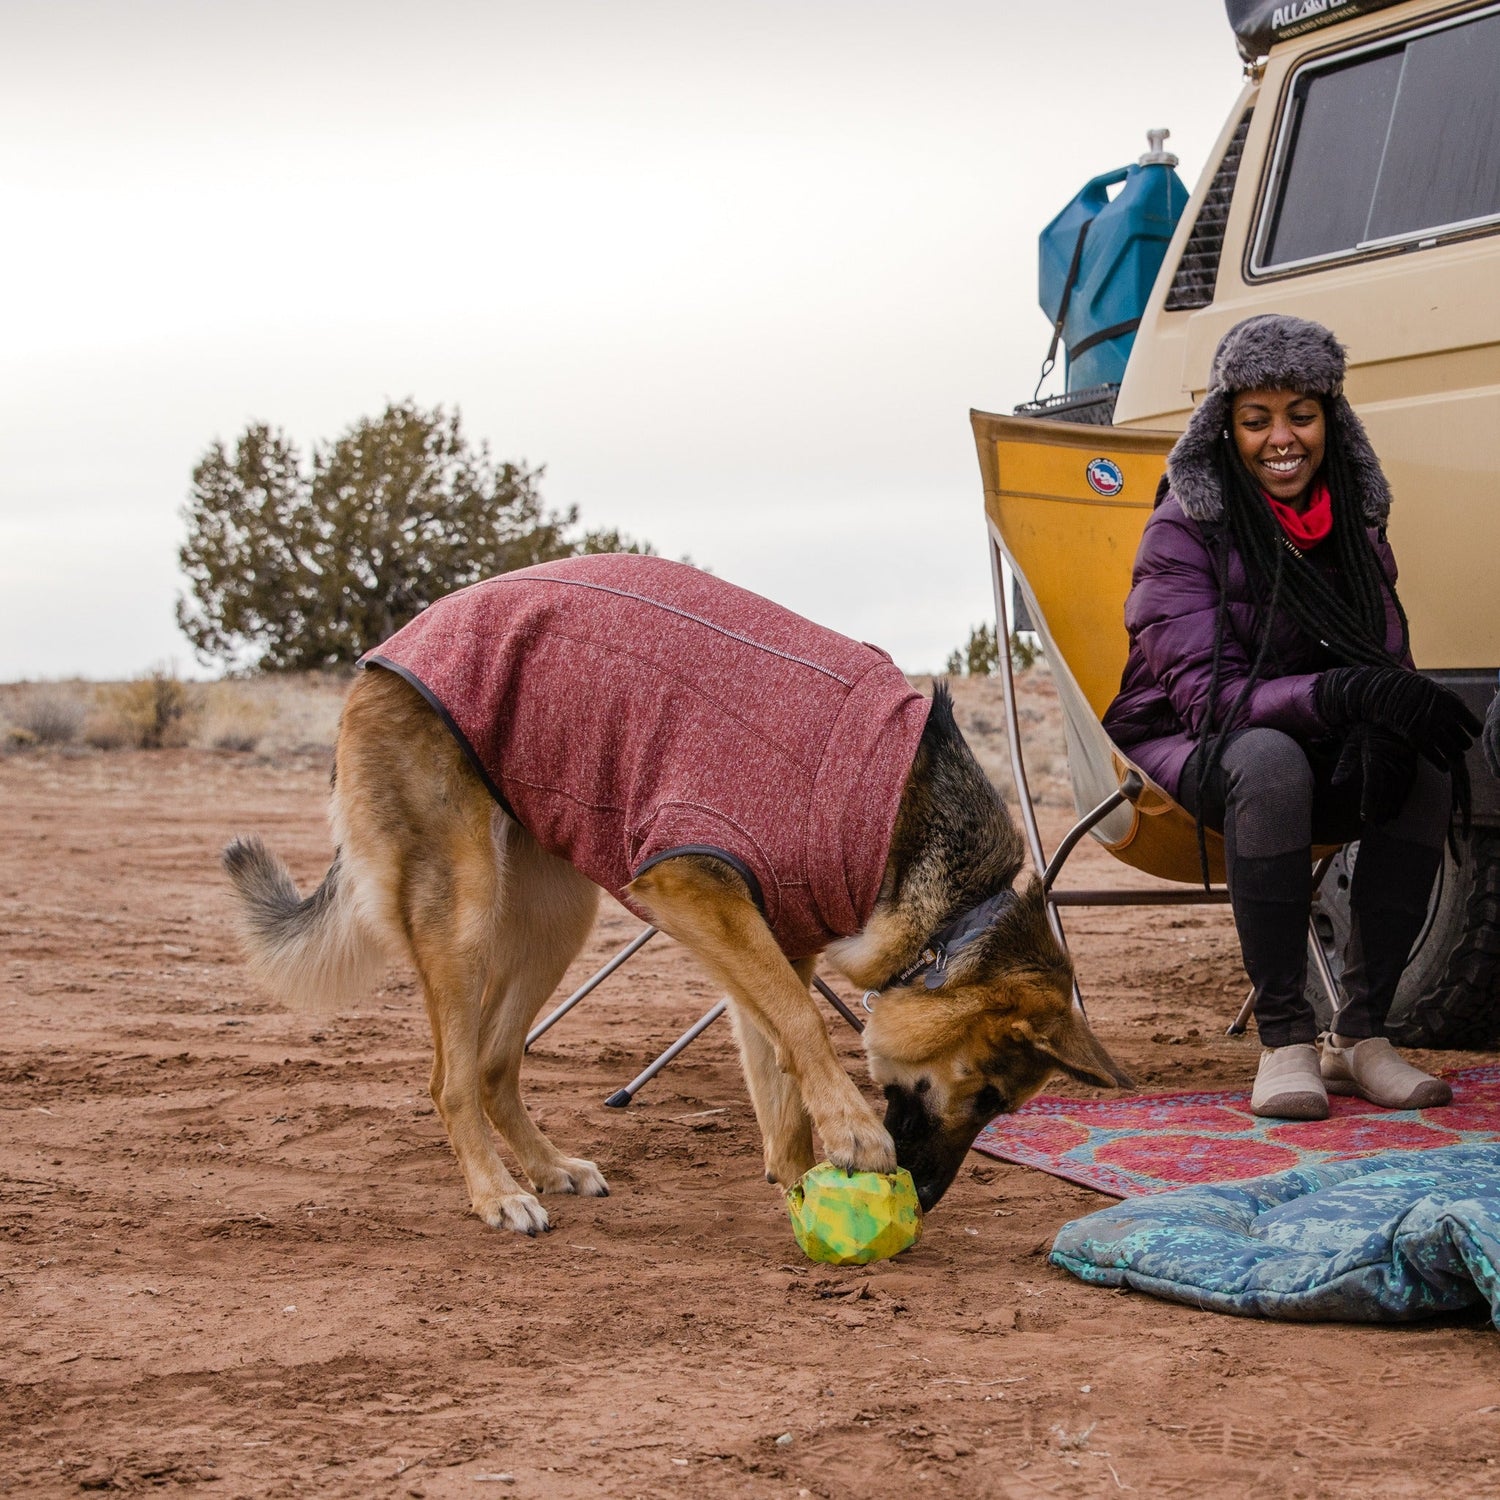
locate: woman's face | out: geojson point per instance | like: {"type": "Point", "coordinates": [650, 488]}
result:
{"type": "Point", "coordinates": [1280, 436]}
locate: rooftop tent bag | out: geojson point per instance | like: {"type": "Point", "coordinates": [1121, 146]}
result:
{"type": "Point", "coordinates": [1098, 259]}
{"type": "Point", "coordinates": [1260, 24]}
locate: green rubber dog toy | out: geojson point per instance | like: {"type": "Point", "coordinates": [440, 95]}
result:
{"type": "Point", "coordinates": [850, 1220]}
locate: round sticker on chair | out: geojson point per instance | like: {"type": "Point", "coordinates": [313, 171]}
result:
{"type": "Point", "coordinates": [1104, 477]}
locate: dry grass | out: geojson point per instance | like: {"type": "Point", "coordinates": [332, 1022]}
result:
{"type": "Point", "coordinates": [298, 714]}
{"type": "Point", "coordinates": [270, 716]}
{"type": "Point", "coordinates": [233, 718]}
{"type": "Point", "coordinates": [286, 714]}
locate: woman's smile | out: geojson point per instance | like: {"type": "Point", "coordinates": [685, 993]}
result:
{"type": "Point", "coordinates": [1280, 436]}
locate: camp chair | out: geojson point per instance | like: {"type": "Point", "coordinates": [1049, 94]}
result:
{"type": "Point", "coordinates": [622, 1096]}
{"type": "Point", "coordinates": [1065, 506]}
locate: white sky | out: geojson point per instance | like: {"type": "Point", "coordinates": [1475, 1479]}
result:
{"type": "Point", "coordinates": [735, 272]}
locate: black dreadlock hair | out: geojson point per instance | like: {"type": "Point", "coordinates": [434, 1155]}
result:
{"type": "Point", "coordinates": [1344, 612]}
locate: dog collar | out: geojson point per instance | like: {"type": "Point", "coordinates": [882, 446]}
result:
{"type": "Point", "coordinates": [946, 943]}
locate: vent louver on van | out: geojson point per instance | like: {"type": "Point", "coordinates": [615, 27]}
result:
{"type": "Point", "coordinates": [1198, 270]}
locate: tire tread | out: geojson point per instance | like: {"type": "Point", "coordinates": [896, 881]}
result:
{"type": "Point", "coordinates": [1463, 1009]}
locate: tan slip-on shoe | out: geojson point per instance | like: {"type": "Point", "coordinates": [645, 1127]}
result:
{"type": "Point", "coordinates": [1374, 1070]}
{"type": "Point", "coordinates": [1289, 1085]}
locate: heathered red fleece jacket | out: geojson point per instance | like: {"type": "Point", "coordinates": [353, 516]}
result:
{"type": "Point", "coordinates": [627, 708]}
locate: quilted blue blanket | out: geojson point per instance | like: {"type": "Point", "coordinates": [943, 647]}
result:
{"type": "Point", "coordinates": [1377, 1239]}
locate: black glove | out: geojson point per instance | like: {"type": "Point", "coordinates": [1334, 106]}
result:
{"type": "Point", "coordinates": [1433, 721]}
{"type": "Point", "coordinates": [1492, 736]}
{"type": "Point", "coordinates": [1386, 767]}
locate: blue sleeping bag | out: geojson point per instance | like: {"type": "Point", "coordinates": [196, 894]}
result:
{"type": "Point", "coordinates": [1377, 1239]}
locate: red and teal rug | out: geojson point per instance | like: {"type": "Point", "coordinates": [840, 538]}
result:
{"type": "Point", "coordinates": [1149, 1143]}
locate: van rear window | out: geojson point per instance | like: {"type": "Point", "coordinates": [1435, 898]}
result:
{"type": "Point", "coordinates": [1397, 142]}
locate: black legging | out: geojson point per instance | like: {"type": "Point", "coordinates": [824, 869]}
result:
{"type": "Point", "coordinates": [1272, 800]}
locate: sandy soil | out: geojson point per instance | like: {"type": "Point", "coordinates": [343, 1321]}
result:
{"type": "Point", "coordinates": [236, 1256]}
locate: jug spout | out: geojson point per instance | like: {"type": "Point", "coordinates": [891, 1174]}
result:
{"type": "Point", "coordinates": [1155, 156]}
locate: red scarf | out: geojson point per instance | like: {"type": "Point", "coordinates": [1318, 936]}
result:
{"type": "Point", "coordinates": [1309, 527]}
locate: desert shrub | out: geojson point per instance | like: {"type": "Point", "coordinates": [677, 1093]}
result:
{"type": "Point", "coordinates": [48, 718]}
{"type": "Point", "coordinates": [154, 712]}
{"type": "Point", "coordinates": [231, 720]}
{"type": "Point", "coordinates": [242, 737]}
{"type": "Point", "coordinates": [104, 729]}
{"type": "Point", "coordinates": [1025, 649]}
{"type": "Point", "coordinates": [979, 656]}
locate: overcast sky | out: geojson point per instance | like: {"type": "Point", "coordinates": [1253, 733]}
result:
{"type": "Point", "coordinates": [734, 272]}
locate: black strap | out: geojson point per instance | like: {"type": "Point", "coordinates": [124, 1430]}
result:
{"type": "Point", "coordinates": [950, 940]}
{"type": "Point", "coordinates": [1103, 336]}
{"type": "Point", "coordinates": [1069, 283]}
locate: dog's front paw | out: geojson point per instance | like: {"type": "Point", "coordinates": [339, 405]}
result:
{"type": "Point", "coordinates": [571, 1174]}
{"type": "Point", "coordinates": [859, 1144]}
{"type": "Point", "coordinates": [516, 1211]}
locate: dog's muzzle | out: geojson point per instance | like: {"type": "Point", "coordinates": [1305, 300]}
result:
{"type": "Point", "coordinates": [931, 1154]}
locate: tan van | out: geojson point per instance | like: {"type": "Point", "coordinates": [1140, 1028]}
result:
{"type": "Point", "coordinates": [1357, 183]}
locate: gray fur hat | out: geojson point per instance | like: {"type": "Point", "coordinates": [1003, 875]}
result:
{"type": "Point", "coordinates": [1272, 351]}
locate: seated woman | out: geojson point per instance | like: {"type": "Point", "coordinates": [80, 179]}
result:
{"type": "Point", "coordinates": [1270, 689]}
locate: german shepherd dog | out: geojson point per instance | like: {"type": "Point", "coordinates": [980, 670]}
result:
{"type": "Point", "coordinates": [431, 867]}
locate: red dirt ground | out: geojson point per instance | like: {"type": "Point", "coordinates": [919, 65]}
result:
{"type": "Point", "coordinates": [236, 1256]}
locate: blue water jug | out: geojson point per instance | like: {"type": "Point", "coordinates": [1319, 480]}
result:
{"type": "Point", "coordinates": [1099, 258]}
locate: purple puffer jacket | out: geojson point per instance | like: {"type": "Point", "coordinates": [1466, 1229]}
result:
{"type": "Point", "coordinates": [1171, 615]}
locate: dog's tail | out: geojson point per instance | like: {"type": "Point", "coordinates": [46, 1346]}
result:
{"type": "Point", "coordinates": [311, 953]}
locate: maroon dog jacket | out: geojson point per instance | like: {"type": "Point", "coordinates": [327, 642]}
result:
{"type": "Point", "coordinates": [624, 709]}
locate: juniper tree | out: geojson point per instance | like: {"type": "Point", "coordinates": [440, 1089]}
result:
{"type": "Point", "coordinates": [293, 566]}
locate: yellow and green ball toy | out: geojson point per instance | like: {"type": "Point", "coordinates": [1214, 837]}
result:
{"type": "Point", "coordinates": [851, 1219]}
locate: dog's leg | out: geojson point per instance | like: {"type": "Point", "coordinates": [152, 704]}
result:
{"type": "Point", "coordinates": [446, 926]}
{"type": "Point", "coordinates": [702, 903]}
{"type": "Point", "coordinates": [785, 1126]}
{"type": "Point", "coordinates": [413, 823]}
{"type": "Point", "coordinates": [546, 911]}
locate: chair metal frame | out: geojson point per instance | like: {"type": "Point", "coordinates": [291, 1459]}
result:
{"type": "Point", "coordinates": [623, 1095]}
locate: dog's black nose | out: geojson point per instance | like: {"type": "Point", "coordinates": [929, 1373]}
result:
{"type": "Point", "coordinates": [929, 1153]}
{"type": "Point", "coordinates": [928, 1194]}
{"type": "Point", "coordinates": [934, 1173]}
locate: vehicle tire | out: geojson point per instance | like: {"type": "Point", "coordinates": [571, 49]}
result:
{"type": "Point", "coordinates": [1449, 995]}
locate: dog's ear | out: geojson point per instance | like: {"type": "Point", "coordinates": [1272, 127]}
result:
{"type": "Point", "coordinates": [1069, 1045]}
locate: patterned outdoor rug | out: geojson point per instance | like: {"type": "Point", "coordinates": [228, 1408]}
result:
{"type": "Point", "coordinates": [1149, 1143]}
